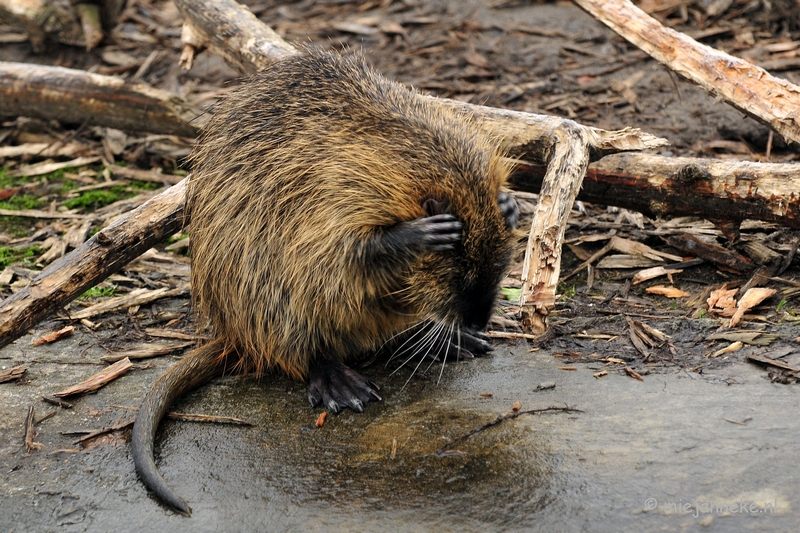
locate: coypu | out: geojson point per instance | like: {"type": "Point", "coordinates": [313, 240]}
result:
{"type": "Point", "coordinates": [331, 210]}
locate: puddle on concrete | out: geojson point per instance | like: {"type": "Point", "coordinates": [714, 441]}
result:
{"type": "Point", "coordinates": [662, 443]}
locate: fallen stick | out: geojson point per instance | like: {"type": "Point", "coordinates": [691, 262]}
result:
{"type": "Point", "coordinates": [444, 450]}
{"type": "Point", "coordinates": [747, 87]}
{"type": "Point", "coordinates": [98, 380]}
{"type": "Point", "coordinates": [191, 417]}
{"type": "Point", "coordinates": [135, 297]}
{"type": "Point", "coordinates": [74, 96]}
{"type": "Point", "coordinates": [146, 351]}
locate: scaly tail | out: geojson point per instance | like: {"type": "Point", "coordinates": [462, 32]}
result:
{"type": "Point", "coordinates": [195, 369]}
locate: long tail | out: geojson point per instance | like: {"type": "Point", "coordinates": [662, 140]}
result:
{"type": "Point", "coordinates": [195, 369]}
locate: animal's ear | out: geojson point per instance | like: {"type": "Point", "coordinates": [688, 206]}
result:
{"type": "Point", "coordinates": [432, 206]}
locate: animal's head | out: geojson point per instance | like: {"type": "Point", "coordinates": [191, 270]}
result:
{"type": "Point", "coordinates": [459, 286]}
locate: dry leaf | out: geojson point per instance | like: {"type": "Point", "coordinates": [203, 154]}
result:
{"type": "Point", "coordinates": [321, 419]}
{"type": "Point", "coordinates": [600, 374]}
{"type": "Point", "coordinates": [652, 273]}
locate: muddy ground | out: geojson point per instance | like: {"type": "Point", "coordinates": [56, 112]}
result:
{"type": "Point", "coordinates": [665, 422]}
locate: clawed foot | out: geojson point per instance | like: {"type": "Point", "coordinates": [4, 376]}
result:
{"type": "Point", "coordinates": [336, 386]}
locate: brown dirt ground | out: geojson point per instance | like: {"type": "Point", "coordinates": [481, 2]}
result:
{"type": "Point", "coordinates": [539, 57]}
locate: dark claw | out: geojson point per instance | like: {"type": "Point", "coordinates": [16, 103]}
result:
{"type": "Point", "coordinates": [509, 209]}
{"type": "Point", "coordinates": [336, 386]}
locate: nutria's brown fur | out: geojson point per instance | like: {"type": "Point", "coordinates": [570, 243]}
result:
{"type": "Point", "coordinates": [330, 210]}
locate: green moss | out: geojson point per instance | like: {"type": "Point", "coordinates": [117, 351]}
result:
{"type": "Point", "coordinates": [145, 185]}
{"type": "Point", "coordinates": [15, 255]}
{"type": "Point", "coordinates": [21, 201]}
{"type": "Point", "coordinates": [93, 199]}
{"type": "Point", "coordinates": [98, 291]}
{"type": "Point", "coordinates": [177, 237]}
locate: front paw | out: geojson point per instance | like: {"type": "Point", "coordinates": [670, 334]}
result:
{"type": "Point", "coordinates": [509, 209]}
{"type": "Point", "coordinates": [436, 233]}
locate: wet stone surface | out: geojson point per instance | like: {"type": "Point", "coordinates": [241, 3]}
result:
{"type": "Point", "coordinates": [676, 451]}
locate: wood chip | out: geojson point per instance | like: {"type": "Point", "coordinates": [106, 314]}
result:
{"type": "Point", "coordinates": [192, 417]}
{"type": "Point", "coordinates": [758, 338]}
{"type": "Point", "coordinates": [35, 213]}
{"type": "Point", "coordinates": [732, 347]}
{"type": "Point", "coordinates": [98, 380]}
{"type": "Point", "coordinates": [600, 374]}
{"type": "Point", "coordinates": [54, 336]}
{"type": "Point", "coordinates": [321, 419]}
{"type": "Point", "coordinates": [652, 273]}
{"type": "Point", "coordinates": [13, 373]}
{"type": "Point", "coordinates": [517, 406]}
{"type": "Point", "coordinates": [751, 298]}
{"type": "Point", "coordinates": [669, 292]}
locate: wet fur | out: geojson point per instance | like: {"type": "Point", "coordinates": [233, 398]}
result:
{"type": "Point", "coordinates": [295, 175]}
{"type": "Point", "coordinates": [302, 187]}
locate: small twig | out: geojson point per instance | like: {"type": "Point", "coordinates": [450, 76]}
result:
{"type": "Point", "coordinates": [48, 416]}
{"type": "Point", "coordinates": [96, 433]}
{"type": "Point", "coordinates": [30, 433]}
{"type": "Point", "coordinates": [189, 417]}
{"type": "Point", "coordinates": [514, 414]}
{"type": "Point", "coordinates": [57, 402]}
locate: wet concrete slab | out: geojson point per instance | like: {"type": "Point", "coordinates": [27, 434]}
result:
{"type": "Point", "coordinates": [664, 454]}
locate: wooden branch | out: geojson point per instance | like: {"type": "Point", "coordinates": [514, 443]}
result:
{"type": "Point", "coordinates": [542, 264]}
{"type": "Point", "coordinates": [232, 32]}
{"type": "Point", "coordinates": [679, 186]}
{"type": "Point", "coordinates": [74, 97]}
{"type": "Point", "coordinates": [99, 257]}
{"type": "Point", "coordinates": [747, 87]}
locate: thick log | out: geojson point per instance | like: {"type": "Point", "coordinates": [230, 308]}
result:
{"type": "Point", "coordinates": [679, 186]}
{"type": "Point", "coordinates": [747, 87]}
{"type": "Point", "coordinates": [102, 255]}
{"type": "Point", "coordinates": [74, 96]}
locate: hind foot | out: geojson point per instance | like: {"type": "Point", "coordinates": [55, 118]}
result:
{"type": "Point", "coordinates": [336, 386]}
